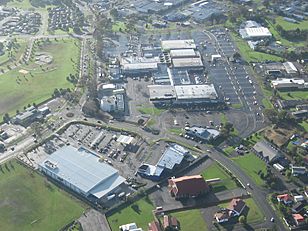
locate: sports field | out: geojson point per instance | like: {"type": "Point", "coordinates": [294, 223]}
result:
{"type": "Point", "coordinates": [19, 89]}
{"type": "Point", "coordinates": [29, 202]}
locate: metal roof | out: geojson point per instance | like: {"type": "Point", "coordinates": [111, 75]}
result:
{"type": "Point", "coordinates": [170, 158]}
{"type": "Point", "coordinates": [178, 44]}
{"type": "Point", "coordinates": [196, 91]}
{"type": "Point", "coordinates": [81, 168]}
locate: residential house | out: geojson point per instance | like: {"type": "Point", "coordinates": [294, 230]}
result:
{"type": "Point", "coordinates": [285, 198]}
{"type": "Point", "coordinates": [299, 219]}
{"type": "Point", "coordinates": [299, 198]}
{"type": "Point", "coordinates": [154, 226]}
{"type": "Point", "coordinates": [234, 209]}
{"type": "Point", "coordinates": [296, 170]}
{"type": "Point", "coordinates": [298, 207]}
{"type": "Point", "coordinates": [171, 222]}
{"type": "Point", "coordinates": [188, 186]}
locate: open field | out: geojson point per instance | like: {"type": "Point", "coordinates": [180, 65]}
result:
{"type": "Point", "coordinates": [215, 171]}
{"type": "Point", "coordinates": [150, 110]}
{"type": "Point", "coordinates": [30, 202]}
{"type": "Point", "coordinates": [17, 90]}
{"type": "Point", "coordinates": [251, 165]}
{"type": "Point", "coordinates": [190, 220]}
{"type": "Point", "coordinates": [294, 95]}
{"type": "Point", "coordinates": [250, 55]}
{"type": "Point", "coordinates": [303, 25]}
{"type": "Point", "coordinates": [139, 212]}
{"type": "Point", "coordinates": [252, 212]}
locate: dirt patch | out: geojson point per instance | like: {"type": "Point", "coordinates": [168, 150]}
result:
{"type": "Point", "coordinates": [24, 72]}
{"type": "Point", "coordinates": [279, 136]}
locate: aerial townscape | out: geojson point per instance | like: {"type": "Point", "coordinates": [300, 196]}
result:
{"type": "Point", "coordinates": [153, 115]}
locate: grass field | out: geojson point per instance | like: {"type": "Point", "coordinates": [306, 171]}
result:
{"type": "Point", "coordinates": [16, 54]}
{"type": "Point", "coordinates": [27, 198]}
{"type": "Point", "coordinates": [139, 212]}
{"type": "Point", "coordinates": [253, 213]}
{"type": "Point", "coordinates": [304, 125]}
{"type": "Point", "coordinates": [250, 55]}
{"type": "Point", "coordinates": [303, 25]}
{"type": "Point", "coordinates": [294, 95]}
{"type": "Point", "coordinates": [229, 150]}
{"type": "Point", "coordinates": [119, 26]}
{"type": "Point", "coordinates": [215, 171]}
{"type": "Point", "coordinates": [17, 90]}
{"type": "Point", "coordinates": [251, 165]}
{"type": "Point", "coordinates": [150, 110]}
{"type": "Point", "coordinates": [176, 131]}
{"type": "Point", "coordinates": [190, 220]}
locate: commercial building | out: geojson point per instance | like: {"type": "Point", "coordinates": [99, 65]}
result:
{"type": "Point", "coordinates": [254, 31]}
{"type": "Point", "coordinates": [202, 134]}
{"type": "Point", "coordinates": [183, 53]}
{"type": "Point", "coordinates": [114, 103]}
{"type": "Point", "coordinates": [81, 171]}
{"type": "Point", "coordinates": [284, 84]}
{"type": "Point", "coordinates": [183, 94]}
{"type": "Point", "coordinates": [30, 115]}
{"type": "Point", "coordinates": [187, 186]}
{"type": "Point", "coordinates": [192, 63]}
{"type": "Point", "coordinates": [266, 152]}
{"type": "Point", "coordinates": [170, 160]}
{"type": "Point", "coordinates": [138, 68]}
{"type": "Point", "coordinates": [168, 45]}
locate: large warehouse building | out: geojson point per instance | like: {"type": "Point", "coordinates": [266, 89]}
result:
{"type": "Point", "coordinates": [81, 171]}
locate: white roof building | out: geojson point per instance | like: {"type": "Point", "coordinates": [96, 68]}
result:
{"type": "Point", "coordinates": [185, 92]}
{"type": "Point", "coordinates": [113, 103]}
{"type": "Point", "coordinates": [290, 68]}
{"type": "Point", "coordinates": [255, 33]}
{"type": "Point", "coordinates": [183, 53]}
{"type": "Point", "coordinates": [187, 62]}
{"type": "Point", "coordinates": [178, 44]}
{"type": "Point", "coordinates": [289, 83]}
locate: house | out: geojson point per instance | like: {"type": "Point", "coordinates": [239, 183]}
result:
{"type": "Point", "coordinates": [298, 207]}
{"type": "Point", "coordinates": [171, 222]}
{"type": "Point", "coordinates": [130, 227]}
{"type": "Point", "coordinates": [298, 170]}
{"type": "Point", "coordinates": [235, 209]}
{"type": "Point", "coordinates": [298, 198]}
{"type": "Point", "coordinates": [285, 198]}
{"type": "Point", "coordinates": [299, 219]}
{"type": "Point", "coordinates": [187, 186]}
{"type": "Point", "coordinates": [154, 226]}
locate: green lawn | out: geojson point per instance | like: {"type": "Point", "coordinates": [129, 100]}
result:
{"type": "Point", "coordinates": [279, 38]}
{"type": "Point", "coordinates": [304, 124]}
{"type": "Point", "coordinates": [176, 131]}
{"type": "Point", "coordinates": [215, 171]}
{"type": "Point", "coordinates": [250, 55]}
{"type": "Point", "coordinates": [223, 118]}
{"type": "Point", "coordinates": [150, 110]}
{"type": "Point", "coordinates": [237, 106]}
{"type": "Point", "coordinates": [229, 150]}
{"type": "Point", "coordinates": [190, 220]}
{"type": "Point", "coordinates": [253, 213]}
{"type": "Point", "coordinates": [294, 95]}
{"type": "Point", "coordinates": [303, 25]}
{"type": "Point", "coordinates": [16, 54]}
{"type": "Point", "coordinates": [266, 103]}
{"type": "Point", "coordinates": [119, 26]}
{"type": "Point", "coordinates": [17, 90]}
{"type": "Point", "coordinates": [27, 198]}
{"type": "Point", "coordinates": [139, 212]}
{"type": "Point", "coordinates": [251, 165]}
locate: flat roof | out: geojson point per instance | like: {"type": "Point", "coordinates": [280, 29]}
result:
{"type": "Point", "coordinates": [178, 44]}
{"type": "Point", "coordinates": [187, 62]}
{"type": "Point", "coordinates": [290, 68]}
{"type": "Point", "coordinates": [266, 150]}
{"type": "Point", "coordinates": [139, 66]}
{"type": "Point", "coordinates": [196, 91]}
{"type": "Point", "coordinates": [255, 32]}
{"type": "Point", "coordinates": [81, 168]}
{"type": "Point", "coordinates": [125, 139]}
{"type": "Point", "coordinates": [183, 53]}
{"type": "Point", "coordinates": [161, 92]}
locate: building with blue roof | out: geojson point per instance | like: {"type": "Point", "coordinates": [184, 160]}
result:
{"type": "Point", "coordinates": [81, 171]}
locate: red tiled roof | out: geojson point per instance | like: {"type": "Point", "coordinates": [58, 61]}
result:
{"type": "Point", "coordinates": [154, 226]}
{"type": "Point", "coordinates": [285, 197]}
{"type": "Point", "coordinates": [189, 184]}
{"type": "Point", "coordinates": [298, 217]}
{"type": "Point", "coordinates": [236, 205]}
{"type": "Point", "coordinates": [170, 221]}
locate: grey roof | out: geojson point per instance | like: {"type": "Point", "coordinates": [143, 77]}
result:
{"type": "Point", "coordinates": [82, 168]}
{"type": "Point", "coordinates": [267, 151]}
{"type": "Point", "coordinates": [170, 158]}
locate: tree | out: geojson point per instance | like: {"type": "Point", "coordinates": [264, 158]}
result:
{"type": "Point", "coordinates": [242, 219]}
{"type": "Point", "coordinates": [6, 118]}
{"type": "Point", "coordinates": [288, 173]}
{"type": "Point", "coordinates": [114, 13]}
{"type": "Point", "coordinates": [271, 114]}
